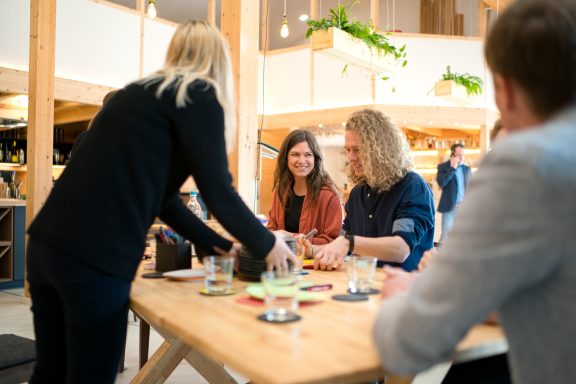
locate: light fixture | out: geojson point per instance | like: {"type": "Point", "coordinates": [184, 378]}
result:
{"type": "Point", "coordinates": [303, 17]}
{"type": "Point", "coordinates": [151, 11]}
{"type": "Point", "coordinates": [284, 31]}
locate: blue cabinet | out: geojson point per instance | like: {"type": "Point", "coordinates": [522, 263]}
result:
{"type": "Point", "coordinates": [12, 233]}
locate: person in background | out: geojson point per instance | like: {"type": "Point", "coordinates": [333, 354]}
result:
{"type": "Point", "coordinates": [390, 211]}
{"type": "Point", "coordinates": [452, 177]}
{"type": "Point", "coordinates": [88, 239]}
{"type": "Point", "coordinates": [82, 134]}
{"type": "Point", "coordinates": [511, 247]}
{"type": "Point", "coordinates": [305, 196]}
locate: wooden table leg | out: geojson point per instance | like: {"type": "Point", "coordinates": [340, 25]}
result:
{"type": "Point", "coordinates": [144, 341]}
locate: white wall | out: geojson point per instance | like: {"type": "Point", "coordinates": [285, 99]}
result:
{"type": "Point", "coordinates": [287, 82]}
{"type": "Point", "coordinates": [95, 43]}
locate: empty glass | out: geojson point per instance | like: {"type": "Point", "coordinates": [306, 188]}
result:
{"type": "Point", "coordinates": [361, 271]}
{"type": "Point", "coordinates": [281, 295]}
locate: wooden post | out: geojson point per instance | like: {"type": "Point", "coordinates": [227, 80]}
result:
{"type": "Point", "coordinates": [212, 12]}
{"type": "Point", "coordinates": [375, 13]}
{"type": "Point", "coordinates": [40, 106]}
{"type": "Point", "coordinates": [239, 24]}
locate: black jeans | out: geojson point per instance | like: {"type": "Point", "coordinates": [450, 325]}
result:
{"type": "Point", "coordinates": [80, 318]}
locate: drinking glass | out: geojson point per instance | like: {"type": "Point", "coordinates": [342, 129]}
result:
{"type": "Point", "coordinates": [219, 271]}
{"type": "Point", "coordinates": [281, 295]}
{"type": "Point", "coordinates": [361, 270]}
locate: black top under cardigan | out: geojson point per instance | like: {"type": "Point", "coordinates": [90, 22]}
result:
{"type": "Point", "coordinates": [128, 170]}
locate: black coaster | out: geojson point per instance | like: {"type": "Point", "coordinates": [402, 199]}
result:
{"type": "Point", "coordinates": [291, 319]}
{"type": "Point", "coordinates": [303, 273]}
{"type": "Point", "coordinates": [350, 297]}
{"type": "Point", "coordinates": [373, 291]}
{"type": "Point", "coordinates": [153, 275]}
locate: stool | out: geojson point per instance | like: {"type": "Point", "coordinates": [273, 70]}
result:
{"type": "Point", "coordinates": [17, 358]}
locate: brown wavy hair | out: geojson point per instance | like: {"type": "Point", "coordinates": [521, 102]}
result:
{"type": "Point", "coordinates": [318, 178]}
{"type": "Point", "coordinates": [383, 150]}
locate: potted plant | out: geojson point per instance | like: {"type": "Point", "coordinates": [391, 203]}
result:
{"type": "Point", "coordinates": [354, 41]}
{"type": "Point", "coordinates": [452, 82]}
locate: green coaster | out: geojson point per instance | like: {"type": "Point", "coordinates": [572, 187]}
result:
{"type": "Point", "coordinates": [204, 292]}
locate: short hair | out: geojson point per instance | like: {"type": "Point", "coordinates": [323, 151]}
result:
{"type": "Point", "coordinates": [383, 149]}
{"type": "Point", "coordinates": [454, 146]}
{"type": "Point", "coordinates": [533, 43]}
{"type": "Point", "coordinates": [318, 178]}
{"type": "Point", "coordinates": [496, 130]}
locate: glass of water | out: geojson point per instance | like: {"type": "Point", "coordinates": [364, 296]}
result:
{"type": "Point", "coordinates": [219, 271]}
{"type": "Point", "coordinates": [281, 296]}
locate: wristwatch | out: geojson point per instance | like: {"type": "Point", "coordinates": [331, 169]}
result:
{"type": "Point", "coordinates": [350, 238]}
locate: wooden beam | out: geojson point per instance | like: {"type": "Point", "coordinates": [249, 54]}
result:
{"type": "Point", "coordinates": [73, 114]}
{"type": "Point", "coordinates": [8, 111]}
{"type": "Point", "coordinates": [264, 17]}
{"type": "Point", "coordinates": [40, 106]}
{"type": "Point", "coordinates": [239, 24]}
{"type": "Point", "coordinates": [211, 12]}
{"type": "Point", "coordinates": [375, 13]}
{"type": "Point", "coordinates": [498, 5]}
{"type": "Point", "coordinates": [403, 115]}
{"type": "Point", "coordinates": [16, 81]}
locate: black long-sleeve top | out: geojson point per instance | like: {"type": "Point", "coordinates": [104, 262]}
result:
{"type": "Point", "coordinates": [128, 170]}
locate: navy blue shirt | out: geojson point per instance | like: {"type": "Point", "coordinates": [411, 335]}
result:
{"type": "Point", "coordinates": [406, 210]}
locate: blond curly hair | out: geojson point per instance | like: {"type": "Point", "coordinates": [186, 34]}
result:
{"type": "Point", "coordinates": [383, 150]}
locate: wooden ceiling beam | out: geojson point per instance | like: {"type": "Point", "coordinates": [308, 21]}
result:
{"type": "Point", "coordinates": [73, 114]}
{"type": "Point", "coordinates": [499, 5]}
{"type": "Point", "coordinates": [16, 81]}
{"type": "Point", "coordinates": [403, 115]}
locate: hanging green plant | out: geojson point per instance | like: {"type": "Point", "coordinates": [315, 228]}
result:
{"type": "Point", "coordinates": [365, 32]}
{"type": "Point", "coordinates": [472, 84]}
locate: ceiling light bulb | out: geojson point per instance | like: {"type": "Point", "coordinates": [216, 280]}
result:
{"type": "Point", "coordinates": [303, 17]}
{"type": "Point", "coordinates": [284, 31]}
{"type": "Point", "coordinates": [151, 12]}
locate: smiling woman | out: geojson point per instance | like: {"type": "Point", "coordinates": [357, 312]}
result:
{"type": "Point", "coordinates": [305, 196]}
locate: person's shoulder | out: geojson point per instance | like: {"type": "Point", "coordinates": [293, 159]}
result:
{"type": "Point", "coordinates": [327, 191]}
{"type": "Point", "coordinates": [444, 164]}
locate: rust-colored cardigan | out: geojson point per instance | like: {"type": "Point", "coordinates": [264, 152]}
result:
{"type": "Point", "coordinates": [325, 216]}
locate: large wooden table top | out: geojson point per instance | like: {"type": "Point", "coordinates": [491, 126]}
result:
{"type": "Point", "coordinates": [332, 342]}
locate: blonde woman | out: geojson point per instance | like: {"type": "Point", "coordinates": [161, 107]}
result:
{"type": "Point", "coordinates": [390, 211]}
{"type": "Point", "coordinates": [87, 241]}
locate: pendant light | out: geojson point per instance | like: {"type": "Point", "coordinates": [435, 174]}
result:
{"type": "Point", "coordinates": [284, 31]}
{"type": "Point", "coordinates": [151, 11]}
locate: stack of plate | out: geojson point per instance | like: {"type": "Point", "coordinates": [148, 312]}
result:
{"type": "Point", "coordinates": [250, 268]}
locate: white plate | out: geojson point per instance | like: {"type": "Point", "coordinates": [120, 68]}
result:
{"type": "Point", "coordinates": [185, 274]}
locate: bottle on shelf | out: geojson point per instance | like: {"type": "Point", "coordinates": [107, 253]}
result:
{"type": "Point", "coordinates": [14, 153]}
{"type": "Point", "coordinates": [194, 206]}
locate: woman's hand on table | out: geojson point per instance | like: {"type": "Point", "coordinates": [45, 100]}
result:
{"type": "Point", "coordinates": [331, 256]}
{"type": "Point", "coordinates": [397, 281]}
{"type": "Point", "coordinates": [279, 255]}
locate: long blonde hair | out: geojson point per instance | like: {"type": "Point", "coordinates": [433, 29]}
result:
{"type": "Point", "coordinates": [198, 51]}
{"type": "Point", "coordinates": [383, 149]}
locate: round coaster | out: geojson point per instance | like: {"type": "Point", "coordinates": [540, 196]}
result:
{"type": "Point", "coordinates": [203, 291]}
{"type": "Point", "coordinates": [291, 319]}
{"type": "Point", "coordinates": [153, 275]}
{"type": "Point", "coordinates": [350, 297]}
{"type": "Point", "coordinates": [373, 291]}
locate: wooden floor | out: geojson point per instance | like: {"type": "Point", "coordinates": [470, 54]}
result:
{"type": "Point", "coordinates": [16, 318]}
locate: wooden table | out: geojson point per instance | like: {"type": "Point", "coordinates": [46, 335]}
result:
{"type": "Point", "coordinates": [332, 342]}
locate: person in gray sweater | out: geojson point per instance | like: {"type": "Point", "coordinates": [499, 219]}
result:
{"type": "Point", "coordinates": [512, 246]}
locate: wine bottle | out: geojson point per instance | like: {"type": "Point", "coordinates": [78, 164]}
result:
{"type": "Point", "coordinates": [14, 153]}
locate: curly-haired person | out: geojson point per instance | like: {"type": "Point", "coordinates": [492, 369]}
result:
{"type": "Point", "coordinates": [390, 211]}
